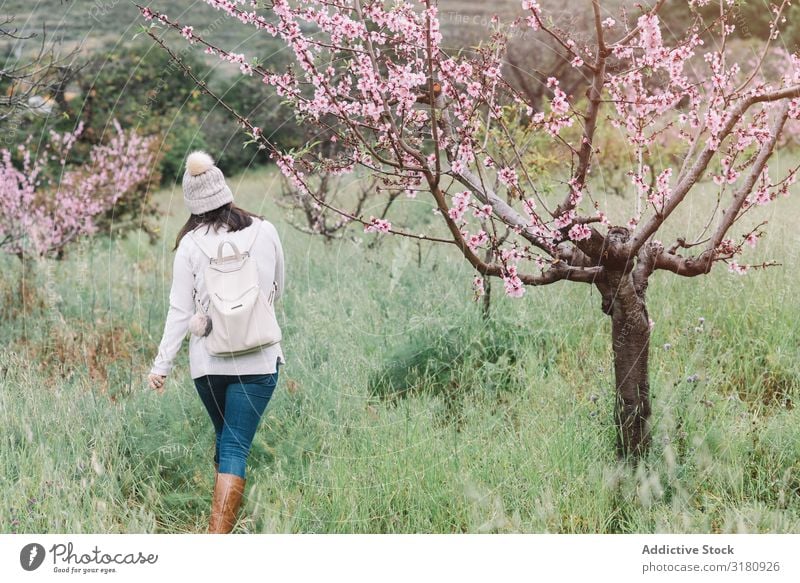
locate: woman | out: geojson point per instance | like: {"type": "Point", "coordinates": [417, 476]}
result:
{"type": "Point", "coordinates": [234, 389]}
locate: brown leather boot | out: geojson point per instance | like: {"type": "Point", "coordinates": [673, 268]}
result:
{"type": "Point", "coordinates": [228, 491]}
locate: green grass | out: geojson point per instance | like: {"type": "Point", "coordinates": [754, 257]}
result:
{"type": "Point", "coordinates": [502, 426]}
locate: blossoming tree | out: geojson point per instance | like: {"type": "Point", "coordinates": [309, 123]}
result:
{"type": "Point", "coordinates": [376, 77]}
{"type": "Point", "coordinates": [46, 203]}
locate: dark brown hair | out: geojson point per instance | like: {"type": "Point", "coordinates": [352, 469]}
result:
{"type": "Point", "coordinates": [229, 214]}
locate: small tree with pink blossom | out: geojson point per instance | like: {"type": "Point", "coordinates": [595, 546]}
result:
{"type": "Point", "coordinates": [376, 76]}
{"type": "Point", "coordinates": [46, 204]}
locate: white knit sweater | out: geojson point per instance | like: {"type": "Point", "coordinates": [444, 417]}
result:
{"type": "Point", "coordinates": [187, 274]}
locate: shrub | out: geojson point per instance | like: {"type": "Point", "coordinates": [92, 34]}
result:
{"type": "Point", "coordinates": [473, 354]}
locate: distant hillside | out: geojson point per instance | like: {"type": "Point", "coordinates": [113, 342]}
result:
{"type": "Point", "coordinates": [100, 22]}
{"type": "Point", "coordinates": [96, 23]}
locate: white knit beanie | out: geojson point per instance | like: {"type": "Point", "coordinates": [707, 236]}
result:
{"type": "Point", "coordinates": [204, 186]}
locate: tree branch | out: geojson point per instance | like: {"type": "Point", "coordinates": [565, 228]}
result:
{"type": "Point", "coordinates": [729, 215]}
{"type": "Point", "coordinates": [701, 163]}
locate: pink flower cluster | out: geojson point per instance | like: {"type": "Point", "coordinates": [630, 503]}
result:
{"type": "Point", "coordinates": [512, 283]}
{"type": "Point", "coordinates": [662, 191]}
{"type": "Point", "coordinates": [534, 19]}
{"type": "Point", "coordinates": [377, 225]}
{"type": "Point", "coordinates": [460, 204]}
{"type": "Point", "coordinates": [508, 177]}
{"type": "Point", "coordinates": [579, 232]}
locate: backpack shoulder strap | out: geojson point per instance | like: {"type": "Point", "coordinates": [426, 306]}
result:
{"type": "Point", "coordinates": [196, 239]}
{"type": "Point", "coordinates": [212, 255]}
{"type": "Point", "coordinates": [255, 237]}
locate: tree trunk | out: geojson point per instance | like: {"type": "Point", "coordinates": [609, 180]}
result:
{"type": "Point", "coordinates": [630, 334]}
{"type": "Point", "coordinates": [487, 288]}
{"type": "Point", "coordinates": [487, 297]}
{"type": "Point", "coordinates": [26, 284]}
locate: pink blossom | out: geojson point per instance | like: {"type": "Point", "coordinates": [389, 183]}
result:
{"type": "Point", "coordinates": [513, 254]}
{"type": "Point", "coordinates": [460, 204]}
{"type": "Point", "coordinates": [187, 33]}
{"type": "Point", "coordinates": [483, 212]}
{"type": "Point", "coordinates": [478, 239]}
{"type": "Point", "coordinates": [534, 18]}
{"type": "Point", "coordinates": [565, 219]}
{"type": "Point", "coordinates": [794, 108]}
{"type": "Point", "coordinates": [513, 284]}
{"type": "Point", "coordinates": [377, 225]}
{"type": "Point", "coordinates": [508, 177]}
{"type": "Point", "coordinates": [727, 246]}
{"type": "Point", "coordinates": [734, 267]}
{"type": "Point", "coordinates": [661, 192]}
{"type": "Point", "coordinates": [579, 232]}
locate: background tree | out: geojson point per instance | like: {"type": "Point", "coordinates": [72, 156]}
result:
{"type": "Point", "coordinates": [307, 216]}
{"type": "Point", "coordinates": [45, 203]}
{"type": "Point", "coordinates": [71, 132]}
{"type": "Point", "coordinates": [377, 77]}
{"type": "Point", "coordinates": [30, 83]}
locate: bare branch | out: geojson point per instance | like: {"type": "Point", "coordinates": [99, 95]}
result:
{"type": "Point", "coordinates": [595, 93]}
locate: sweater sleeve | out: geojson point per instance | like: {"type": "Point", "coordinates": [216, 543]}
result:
{"type": "Point", "coordinates": [181, 309]}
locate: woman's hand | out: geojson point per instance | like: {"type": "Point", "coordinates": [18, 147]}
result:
{"type": "Point", "coordinates": [156, 382]}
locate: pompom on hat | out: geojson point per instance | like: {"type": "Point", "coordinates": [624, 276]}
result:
{"type": "Point", "coordinates": [204, 187]}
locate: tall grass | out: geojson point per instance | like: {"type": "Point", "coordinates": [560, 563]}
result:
{"type": "Point", "coordinates": [401, 409]}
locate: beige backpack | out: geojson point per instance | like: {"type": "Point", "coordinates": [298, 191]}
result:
{"type": "Point", "coordinates": [242, 317]}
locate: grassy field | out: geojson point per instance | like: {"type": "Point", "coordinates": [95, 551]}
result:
{"type": "Point", "coordinates": [501, 425]}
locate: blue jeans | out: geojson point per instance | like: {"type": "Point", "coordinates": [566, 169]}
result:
{"type": "Point", "coordinates": [235, 404]}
